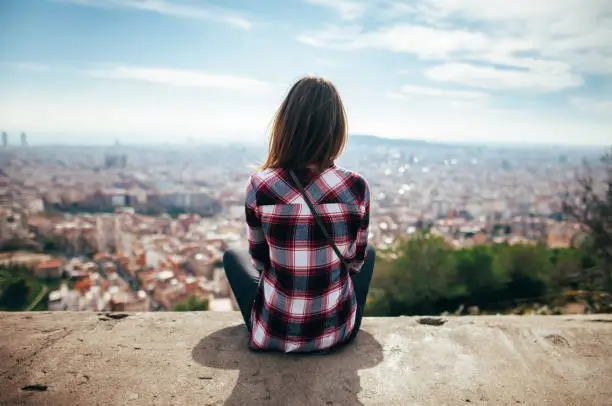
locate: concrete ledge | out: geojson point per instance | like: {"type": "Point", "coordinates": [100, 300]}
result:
{"type": "Point", "coordinates": [202, 358]}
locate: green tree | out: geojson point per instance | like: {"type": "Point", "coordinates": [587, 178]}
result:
{"type": "Point", "coordinates": [477, 271]}
{"type": "Point", "coordinates": [14, 287]}
{"type": "Point", "coordinates": [15, 295]}
{"type": "Point", "coordinates": [567, 268]}
{"type": "Point", "coordinates": [423, 274]}
{"type": "Point", "coordinates": [591, 206]}
{"type": "Point", "coordinates": [192, 304]}
{"type": "Point", "coordinates": [527, 269]}
{"type": "Point", "coordinates": [377, 303]}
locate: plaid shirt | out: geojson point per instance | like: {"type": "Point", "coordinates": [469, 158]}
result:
{"type": "Point", "coordinates": [304, 301]}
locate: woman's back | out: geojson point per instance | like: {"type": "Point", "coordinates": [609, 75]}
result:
{"type": "Point", "coordinates": [301, 287]}
{"type": "Point", "coordinates": [305, 299]}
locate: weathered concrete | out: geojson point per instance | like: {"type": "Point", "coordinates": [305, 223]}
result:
{"type": "Point", "coordinates": [202, 358]}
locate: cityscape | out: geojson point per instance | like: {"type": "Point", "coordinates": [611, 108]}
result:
{"type": "Point", "coordinates": [135, 228]}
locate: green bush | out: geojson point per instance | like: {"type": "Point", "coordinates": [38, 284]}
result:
{"type": "Point", "coordinates": [15, 295]}
{"type": "Point", "coordinates": [427, 277]}
{"type": "Point", "coordinates": [191, 305]}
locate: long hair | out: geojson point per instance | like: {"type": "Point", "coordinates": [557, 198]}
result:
{"type": "Point", "coordinates": [310, 127]}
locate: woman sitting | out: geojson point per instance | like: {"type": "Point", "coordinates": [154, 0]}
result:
{"type": "Point", "coordinates": [302, 287]}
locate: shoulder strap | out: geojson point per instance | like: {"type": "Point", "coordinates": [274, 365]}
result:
{"type": "Point", "coordinates": [318, 219]}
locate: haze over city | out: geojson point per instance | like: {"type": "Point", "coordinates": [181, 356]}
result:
{"type": "Point", "coordinates": [92, 71]}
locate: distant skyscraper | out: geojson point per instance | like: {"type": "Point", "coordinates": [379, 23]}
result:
{"type": "Point", "coordinates": [115, 157]}
{"type": "Point", "coordinates": [4, 139]}
{"type": "Point", "coordinates": [24, 140]}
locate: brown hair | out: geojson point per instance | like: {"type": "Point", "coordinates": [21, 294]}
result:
{"type": "Point", "coordinates": [309, 127]}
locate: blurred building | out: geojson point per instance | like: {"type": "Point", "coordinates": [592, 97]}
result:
{"type": "Point", "coordinates": [51, 269]}
{"type": "Point", "coordinates": [4, 232]}
{"type": "Point", "coordinates": [130, 302]}
{"type": "Point", "coordinates": [201, 265]}
{"type": "Point", "coordinates": [189, 201]}
{"type": "Point", "coordinates": [115, 157]}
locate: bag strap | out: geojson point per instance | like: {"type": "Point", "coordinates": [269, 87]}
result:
{"type": "Point", "coordinates": [318, 219]}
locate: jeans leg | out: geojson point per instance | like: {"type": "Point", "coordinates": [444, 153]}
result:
{"type": "Point", "coordinates": [243, 280]}
{"type": "Point", "coordinates": [361, 284]}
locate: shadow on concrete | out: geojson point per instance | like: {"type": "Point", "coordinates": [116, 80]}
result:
{"type": "Point", "coordinates": [291, 379]}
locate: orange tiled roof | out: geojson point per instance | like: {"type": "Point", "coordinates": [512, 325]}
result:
{"type": "Point", "coordinates": [52, 263]}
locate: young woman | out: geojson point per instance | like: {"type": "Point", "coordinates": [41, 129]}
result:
{"type": "Point", "coordinates": [303, 285]}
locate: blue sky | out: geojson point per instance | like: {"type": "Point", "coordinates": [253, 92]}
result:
{"type": "Point", "coordinates": [92, 71]}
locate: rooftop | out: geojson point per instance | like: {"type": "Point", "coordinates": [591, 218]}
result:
{"type": "Point", "coordinates": [52, 263]}
{"type": "Point", "coordinates": [202, 358]}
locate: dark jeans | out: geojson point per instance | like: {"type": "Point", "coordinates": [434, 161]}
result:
{"type": "Point", "coordinates": [243, 279]}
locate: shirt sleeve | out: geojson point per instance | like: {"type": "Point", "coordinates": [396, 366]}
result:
{"type": "Point", "coordinates": [258, 246]}
{"type": "Point", "coordinates": [361, 242]}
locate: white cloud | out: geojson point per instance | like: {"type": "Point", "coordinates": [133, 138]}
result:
{"type": "Point", "coordinates": [347, 9]}
{"type": "Point", "coordinates": [26, 66]}
{"type": "Point", "coordinates": [331, 36]}
{"type": "Point", "coordinates": [460, 45]}
{"type": "Point", "coordinates": [597, 106]}
{"type": "Point", "coordinates": [427, 43]}
{"type": "Point", "coordinates": [392, 9]}
{"type": "Point", "coordinates": [547, 44]}
{"type": "Point", "coordinates": [510, 10]}
{"type": "Point", "coordinates": [178, 77]}
{"type": "Point", "coordinates": [396, 96]}
{"type": "Point", "coordinates": [326, 62]}
{"type": "Point", "coordinates": [437, 92]}
{"type": "Point", "coordinates": [444, 101]}
{"type": "Point", "coordinates": [575, 31]}
{"type": "Point", "coordinates": [492, 78]}
{"type": "Point", "coordinates": [351, 10]}
{"type": "Point", "coordinates": [172, 9]}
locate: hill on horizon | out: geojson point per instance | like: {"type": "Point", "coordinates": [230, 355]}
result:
{"type": "Point", "coordinates": [374, 139]}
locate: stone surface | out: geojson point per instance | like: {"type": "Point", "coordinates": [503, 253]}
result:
{"type": "Point", "coordinates": [202, 358]}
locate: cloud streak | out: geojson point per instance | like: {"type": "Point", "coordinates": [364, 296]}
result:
{"type": "Point", "coordinates": [438, 92]}
{"type": "Point", "coordinates": [491, 78]}
{"type": "Point", "coordinates": [597, 106]}
{"type": "Point", "coordinates": [346, 9]}
{"type": "Point", "coordinates": [27, 66]}
{"type": "Point", "coordinates": [179, 78]}
{"type": "Point", "coordinates": [173, 9]}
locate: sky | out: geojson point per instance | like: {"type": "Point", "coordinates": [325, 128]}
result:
{"type": "Point", "coordinates": [165, 71]}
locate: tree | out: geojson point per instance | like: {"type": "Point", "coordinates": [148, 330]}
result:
{"type": "Point", "coordinates": [421, 276]}
{"type": "Point", "coordinates": [477, 271]}
{"type": "Point", "coordinates": [14, 287]}
{"type": "Point", "coordinates": [193, 304]}
{"type": "Point", "coordinates": [566, 266]}
{"type": "Point", "coordinates": [526, 268]}
{"type": "Point", "coordinates": [591, 207]}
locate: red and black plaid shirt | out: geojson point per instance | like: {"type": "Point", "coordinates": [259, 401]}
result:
{"type": "Point", "coordinates": [305, 301]}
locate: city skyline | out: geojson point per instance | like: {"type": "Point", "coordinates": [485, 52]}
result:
{"type": "Point", "coordinates": [14, 141]}
{"type": "Point", "coordinates": [92, 71]}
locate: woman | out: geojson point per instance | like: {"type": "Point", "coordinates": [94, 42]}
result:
{"type": "Point", "coordinates": [303, 285]}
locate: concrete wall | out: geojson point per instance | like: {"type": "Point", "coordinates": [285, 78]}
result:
{"type": "Point", "coordinates": [202, 358]}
